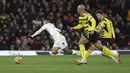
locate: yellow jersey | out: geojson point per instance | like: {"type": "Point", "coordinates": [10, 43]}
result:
{"type": "Point", "coordinates": [87, 22]}
{"type": "Point", "coordinates": [105, 29]}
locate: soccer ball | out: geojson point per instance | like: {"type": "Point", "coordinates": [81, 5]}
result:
{"type": "Point", "coordinates": [18, 60]}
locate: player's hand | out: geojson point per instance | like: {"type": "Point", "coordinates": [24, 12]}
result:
{"type": "Point", "coordinates": [36, 22]}
{"type": "Point", "coordinates": [71, 28]}
{"type": "Point", "coordinates": [32, 36]}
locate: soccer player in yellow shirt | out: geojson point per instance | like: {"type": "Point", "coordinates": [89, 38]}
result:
{"type": "Point", "coordinates": [106, 32]}
{"type": "Point", "coordinates": [87, 22]}
{"type": "Point", "coordinates": [105, 28]}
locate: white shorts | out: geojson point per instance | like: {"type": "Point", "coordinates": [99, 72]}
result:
{"type": "Point", "coordinates": [60, 42]}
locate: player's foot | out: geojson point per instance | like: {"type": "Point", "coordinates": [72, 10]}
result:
{"type": "Point", "coordinates": [82, 61]}
{"type": "Point", "coordinates": [118, 59]}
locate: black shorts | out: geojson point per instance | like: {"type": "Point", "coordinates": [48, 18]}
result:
{"type": "Point", "coordinates": [87, 45]}
{"type": "Point", "coordinates": [106, 41]}
{"type": "Point", "coordinates": [92, 38]}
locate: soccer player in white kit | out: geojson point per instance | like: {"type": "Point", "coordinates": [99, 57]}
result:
{"type": "Point", "coordinates": [59, 39]}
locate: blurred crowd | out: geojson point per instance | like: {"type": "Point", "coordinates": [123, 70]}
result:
{"type": "Point", "coordinates": [16, 25]}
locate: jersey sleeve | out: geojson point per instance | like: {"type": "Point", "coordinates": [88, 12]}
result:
{"type": "Point", "coordinates": [58, 29]}
{"type": "Point", "coordinates": [93, 22]}
{"type": "Point", "coordinates": [37, 22]}
{"type": "Point", "coordinates": [100, 27]}
{"type": "Point", "coordinates": [112, 31]}
{"type": "Point", "coordinates": [39, 31]}
{"type": "Point", "coordinates": [79, 26]}
{"type": "Point", "coordinates": [89, 18]}
{"type": "Point", "coordinates": [102, 24]}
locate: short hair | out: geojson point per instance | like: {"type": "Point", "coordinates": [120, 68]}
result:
{"type": "Point", "coordinates": [47, 18]}
{"type": "Point", "coordinates": [99, 12]}
{"type": "Point", "coordinates": [81, 6]}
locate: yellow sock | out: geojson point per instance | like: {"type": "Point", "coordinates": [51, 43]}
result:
{"type": "Point", "coordinates": [88, 53]}
{"type": "Point", "coordinates": [108, 52]}
{"type": "Point", "coordinates": [82, 51]}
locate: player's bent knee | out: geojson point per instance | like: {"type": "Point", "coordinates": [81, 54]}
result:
{"type": "Point", "coordinates": [79, 43]}
{"type": "Point", "coordinates": [91, 47]}
{"type": "Point", "coordinates": [99, 47]}
{"type": "Point", "coordinates": [82, 41]}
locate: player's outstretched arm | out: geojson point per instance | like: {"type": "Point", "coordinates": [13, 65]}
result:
{"type": "Point", "coordinates": [79, 26]}
{"type": "Point", "coordinates": [37, 22]}
{"type": "Point", "coordinates": [38, 32]}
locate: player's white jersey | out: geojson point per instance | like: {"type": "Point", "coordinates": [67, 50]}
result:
{"type": "Point", "coordinates": [59, 40]}
{"type": "Point", "coordinates": [51, 29]}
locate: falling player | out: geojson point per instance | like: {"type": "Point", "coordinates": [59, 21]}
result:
{"type": "Point", "coordinates": [59, 39]}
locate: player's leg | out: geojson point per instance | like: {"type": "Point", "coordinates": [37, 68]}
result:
{"type": "Point", "coordinates": [92, 39]}
{"type": "Point", "coordinates": [56, 47]}
{"type": "Point", "coordinates": [87, 54]}
{"type": "Point", "coordinates": [64, 46]}
{"type": "Point", "coordinates": [89, 51]}
{"type": "Point", "coordinates": [89, 38]}
{"type": "Point", "coordinates": [81, 43]}
{"type": "Point", "coordinates": [105, 42]}
{"type": "Point", "coordinates": [70, 51]}
{"type": "Point", "coordinates": [107, 51]}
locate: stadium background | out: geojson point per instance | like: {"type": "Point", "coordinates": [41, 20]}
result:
{"type": "Point", "coordinates": [16, 28]}
{"type": "Point", "coordinates": [16, 24]}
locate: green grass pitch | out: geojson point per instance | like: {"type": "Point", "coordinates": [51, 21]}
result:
{"type": "Point", "coordinates": [64, 64]}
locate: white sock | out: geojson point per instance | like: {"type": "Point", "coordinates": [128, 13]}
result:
{"type": "Point", "coordinates": [75, 52]}
{"type": "Point", "coordinates": [83, 60]}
